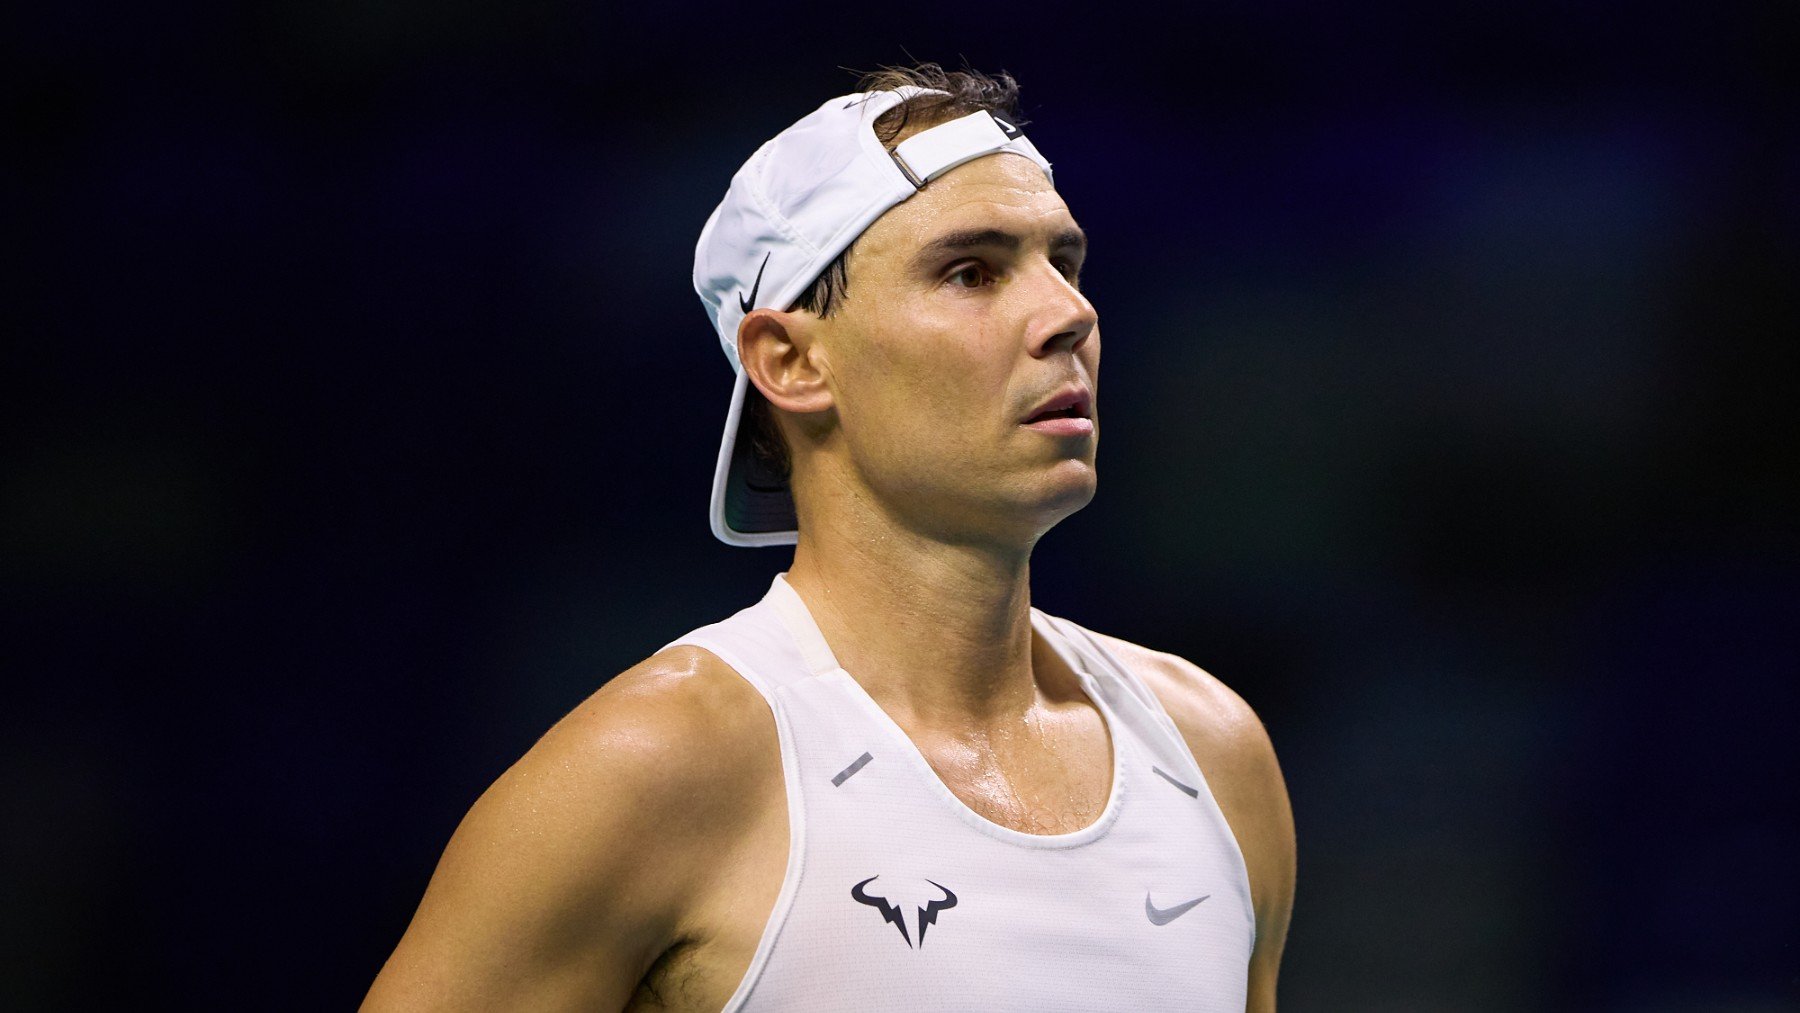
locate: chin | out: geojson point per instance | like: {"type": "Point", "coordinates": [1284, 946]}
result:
{"type": "Point", "coordinates": [1070, 487]}
{"type": "Point", "coordinates": [1078, 498]}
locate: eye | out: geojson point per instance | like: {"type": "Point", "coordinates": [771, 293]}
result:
{"type": "Point", "coordinates": [1068, 268]}
{"type": "Point", "coordinates": [967, 276]}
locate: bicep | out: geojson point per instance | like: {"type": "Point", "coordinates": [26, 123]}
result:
{"type": "Point", "coordinates": [1272, 854]}
{"type": "Point", "coordinates": [1266, 836]}
{"type": "Point", "coordinates": [501, 926]}
{"type": "Point", "coordinates": [546, 897]}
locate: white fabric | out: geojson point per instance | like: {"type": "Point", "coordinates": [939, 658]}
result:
{"type": "Point", "coordinates": [1040, 922]}
{"type": "Point", "coordinates": [931, 153]}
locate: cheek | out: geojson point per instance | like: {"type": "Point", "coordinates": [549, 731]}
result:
{"type": "Point", "coordinates": [932, 369]}
{"type": "Point", "coordinates": [962, 383]}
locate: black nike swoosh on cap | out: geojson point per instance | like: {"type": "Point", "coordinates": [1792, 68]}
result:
{"type": "Point", "coordinates": [748, 304]}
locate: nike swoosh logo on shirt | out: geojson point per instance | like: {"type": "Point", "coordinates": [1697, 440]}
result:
{"type": "Point", "coordinates": [1163, 916]}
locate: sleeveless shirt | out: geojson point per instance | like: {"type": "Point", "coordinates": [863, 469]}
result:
{"type": "Point", "coordinates": [898, 896]}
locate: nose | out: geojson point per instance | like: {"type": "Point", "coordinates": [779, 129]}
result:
{"type": "Point", "coordinates": [1064, 320]}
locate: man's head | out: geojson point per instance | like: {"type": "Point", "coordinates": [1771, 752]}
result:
{"type": "Point", "coordinates": [899, 379]}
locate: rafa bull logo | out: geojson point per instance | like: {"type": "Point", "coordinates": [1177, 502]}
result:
{"type": "Point", "coordinates": [892, 913]}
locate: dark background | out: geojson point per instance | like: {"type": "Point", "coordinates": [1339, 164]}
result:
{"type": "Point", "coordinates": [359, 421]}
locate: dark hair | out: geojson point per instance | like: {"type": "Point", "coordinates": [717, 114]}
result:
{"type": "Point", "coordinates": [964, 91]}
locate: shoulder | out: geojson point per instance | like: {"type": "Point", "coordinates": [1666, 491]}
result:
{"type": "Point", "coordinates": [1223, 732]}
{"type": "Point", "coordinates": [673, 744]}
{"type": "Point", "coordinates": [680, 715]}
{"type": "Point", "coordinates": [1217, 723]}
{"type": "Point", "coordinates": [584, 861]}
{"type": "Point", "coordinates": [653, 772]}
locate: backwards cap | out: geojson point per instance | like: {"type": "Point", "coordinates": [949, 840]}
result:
{"type": "Point", "coordinates": [801, 200]}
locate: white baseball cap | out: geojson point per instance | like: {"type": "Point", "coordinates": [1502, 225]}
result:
{"type": "Point", "coordinates": [801, 200]}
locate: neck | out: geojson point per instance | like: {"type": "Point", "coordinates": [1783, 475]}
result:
{"type": "Point", "coordinates": [938, 634]}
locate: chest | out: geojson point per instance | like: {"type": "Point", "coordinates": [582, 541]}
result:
{"type": "Point", "coordinates": [1052, 777]}
{"type": "Point", "coordinates": [909, 897]}
{"type": "Point", "coordinates": [1049, 775]}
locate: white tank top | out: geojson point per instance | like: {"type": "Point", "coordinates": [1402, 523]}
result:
{"type": "Point", "coordinates": [900, 897]}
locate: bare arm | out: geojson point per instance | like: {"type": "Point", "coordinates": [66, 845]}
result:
{"type": "Point", "coordinates": [1263, 820]}
{"type": "Point", "coordinates": [1233, 748]}
{"type": "Point", "coordinates": [574, 871]}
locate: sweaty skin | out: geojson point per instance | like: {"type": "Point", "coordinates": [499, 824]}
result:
{"type": "Point", "coordinates": [617, 866]}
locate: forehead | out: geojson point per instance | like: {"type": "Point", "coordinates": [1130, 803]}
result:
{"type": "Point", "coordinates": [1003, 190]}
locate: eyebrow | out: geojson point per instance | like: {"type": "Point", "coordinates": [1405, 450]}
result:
{"type": "Point", "coordinates": [1071, 238]}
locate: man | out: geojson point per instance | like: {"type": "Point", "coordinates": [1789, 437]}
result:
{"type": "Point", "coordinates": [891, 784]}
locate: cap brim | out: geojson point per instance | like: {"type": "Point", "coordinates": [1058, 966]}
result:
{"type": "Point", "coordinates": [751, 505]}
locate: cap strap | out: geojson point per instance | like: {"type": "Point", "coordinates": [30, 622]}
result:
{"type": "Point", "coordinates": [930, 153]}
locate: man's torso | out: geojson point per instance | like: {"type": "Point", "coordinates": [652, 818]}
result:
{"type": "Point", "coordinates": [1049, 776]}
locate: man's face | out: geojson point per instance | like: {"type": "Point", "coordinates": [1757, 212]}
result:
{"type": "Point", "coordinates": [963, 318]}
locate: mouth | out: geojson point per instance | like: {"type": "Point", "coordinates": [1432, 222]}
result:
{"type": "Point", "coordinates": [1068, 413]}
{"type": "Point", "coordinates": [1071, 412]}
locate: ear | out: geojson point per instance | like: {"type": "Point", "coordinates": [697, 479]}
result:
{"type": "Point", "coordinates": [778, 353]}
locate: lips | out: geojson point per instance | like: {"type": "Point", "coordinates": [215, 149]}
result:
{"type": "Point", "coordinates": [1070, 402]}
